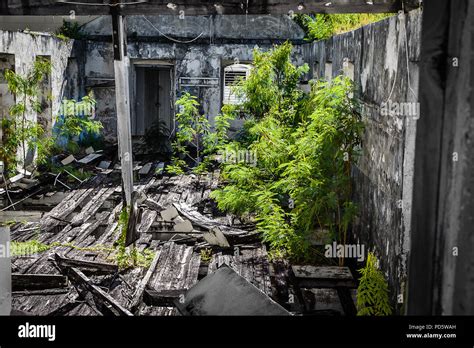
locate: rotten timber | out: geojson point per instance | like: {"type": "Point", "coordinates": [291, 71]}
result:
{"type": "Point", "coordinates": [324, 277]}
{"type": "Point", "coordinates": [37, 281]}
{"type": "Point", "coordinates": [87, 267]}
{"type": "Point", "coordinates": [85, 287]}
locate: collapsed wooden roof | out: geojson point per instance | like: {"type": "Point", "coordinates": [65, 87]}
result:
{"type": "Point", "coordinates": [201, 7]}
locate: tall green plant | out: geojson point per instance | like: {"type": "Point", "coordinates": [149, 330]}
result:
{"type": "Point", "coordinates": [305, 145]}
{"type": "Point", "coordinates": [21, 131]}
{"type": "Point", "coordinates": [194, 137]}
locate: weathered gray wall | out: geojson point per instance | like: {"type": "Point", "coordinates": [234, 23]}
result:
{"type": "Point", "coordinates": [25, 48]}
{"type": "Point", "coordinates": [203, 27]}
{"type": "Point", "coordinates": [223, 40]}
{"type": "Point", "coordinates": [384, 173]}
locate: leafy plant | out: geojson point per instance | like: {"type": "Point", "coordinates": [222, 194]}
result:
{"type": "Point", "coordinates": [69, 30]}
{"type": "Point", "coordinates": [372, 293]}
{"type": "Point", "coordinates": [76, 126]}
{"type": "Point", "coordinates": [206, 255]}
{"type": "Point", "coordinates": [20, 131]}
{"type": "Point", "coordinates": [305, 145]}
{"type": "Point", "coordinates": [28, 248]}
{"type": "Point", "coordinates": [195, 140]}
{"type": "Point", "coordinates": [129, 256]}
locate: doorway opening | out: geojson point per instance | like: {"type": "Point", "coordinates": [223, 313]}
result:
{"type": "Point", "coordinates": [153, 117]}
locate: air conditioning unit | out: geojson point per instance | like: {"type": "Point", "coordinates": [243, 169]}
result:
{"type": "Point", "coordinates": [232, 75]}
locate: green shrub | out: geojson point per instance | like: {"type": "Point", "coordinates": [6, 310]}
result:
{"type": "Point", "coordinates": [305, 145]}
{"type": "Point", "coordinates": [19, 131]}
{"type": "Point", "coordinates": [69, 30]}
{"type": "Point", "coordinates": [372, 293]}
{"type": "Point", "coordinates": [195, 140]}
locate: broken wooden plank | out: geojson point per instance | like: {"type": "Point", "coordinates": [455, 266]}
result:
{"type": "Point", "coordinates": [153, 205]}
{"type": "Point", "coordinates": [89, 158]}
{"type": "Point", "coordinates": [251, 264]}
{"type": "Point", "coordinates": [216, 237]}
{"type": "Point", "coordinates": [86, 266]}
{"type": "Point", "coordinates": [15, 178]}
{"type": "Point", "coordinates": [137, 297]}
{"type": "Point", "coordinates": [163, 298]}
{"type": "Point", "coordinates": [200, 220]}
{"type": "Point", "coordinates": [45, 292]}
{"type": "Point", "coordinates": [84, 284]}
{"type": "Point", "coordinates": [37, 281]}
{"type": "Point", "coordinates": [68, 160]}
{"type": "Point", "coordinates": [323, 277]}
{"type": "Point", "coordinates": [145, 169]}
{"type": "Point", "coordinates": [21, 216]}
{"type": "Point", "coordinates": [169, 214]}
{"type": "Point", "coordinates": [67, 206]}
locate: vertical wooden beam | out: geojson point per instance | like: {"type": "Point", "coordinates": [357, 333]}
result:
{"type": "Point", "coordinates": [5, 272]}
{"type": "Point", "coordinates": [122, 96]}
{"type": "Point", "coordinates": [428, 147]}
{"type": "Point", "coordinates": [441, 258]}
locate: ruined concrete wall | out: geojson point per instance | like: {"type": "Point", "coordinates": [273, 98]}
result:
{"type": "Point", "coordinates": [189, 61]}
{"type": "Point", "coordinates": [25, 48]}
{"type": "Point", "coordinates": [220, 41]}
{"type": "Point", "coordinates": [384, 75]}
{"type": "Point", "coordinates": [230, 27]}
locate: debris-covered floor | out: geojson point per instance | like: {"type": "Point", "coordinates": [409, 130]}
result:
{"type": "Point", "coordinates": [185, 238]}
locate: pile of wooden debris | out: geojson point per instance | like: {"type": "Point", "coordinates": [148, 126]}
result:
{"type": "Point", "coordinates": [187, 242]}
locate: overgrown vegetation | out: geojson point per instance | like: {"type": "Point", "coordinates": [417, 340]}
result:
{"type": "Point", "coordinates": [25, 141]}
{"type": "Point", "coordinates": [372, 293]}
{"type": "Point", "coordinates": [323, 26]}
{"type": "Point", "coordinates": [122, 256]}
{"type": "Point", "coordinates": [27, 248]}
{"type": "Point", "coordinates": [75, 127]}
{"type": "Point", "coordinates": [305, 145]}
{"type": "Point", "coordinates": [20, 132]}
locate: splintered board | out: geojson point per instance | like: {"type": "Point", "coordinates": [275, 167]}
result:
{"type": "Point", "coordinates": [177, 268]}
{"type": "Point", "coordinates": [323, 277]}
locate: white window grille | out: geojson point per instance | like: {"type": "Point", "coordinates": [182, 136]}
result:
{"type": "Point", "coordinates": [232, 75]}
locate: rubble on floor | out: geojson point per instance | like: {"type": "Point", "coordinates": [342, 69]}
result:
{"type": "Point", "coordinates": [182, 237]}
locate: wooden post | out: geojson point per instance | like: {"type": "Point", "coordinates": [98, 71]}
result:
{"type": "Point", "coordinates": [122, 95]}
{"type": "Point", "coordinates": [5, 272]}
